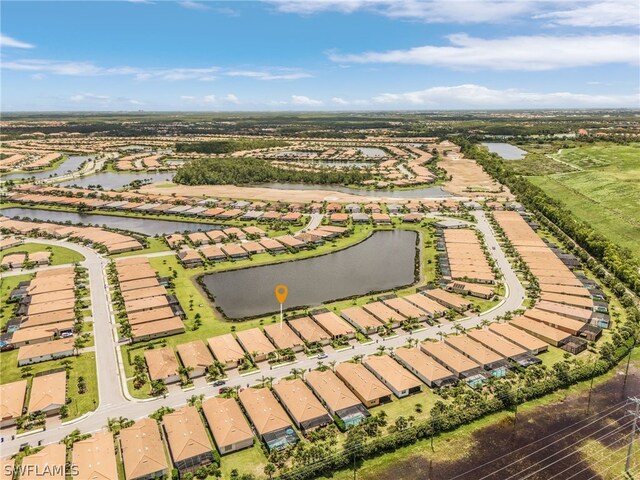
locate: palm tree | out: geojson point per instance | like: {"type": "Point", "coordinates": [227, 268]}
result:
{"type": "Point", "coordinates": [332, 364]}
{"type": "Point", "coordinates": [381, 349]}
{"type": "Point", "coordinates": [297, 372]}
{"type": "Point", "coordinates": [358, 358]}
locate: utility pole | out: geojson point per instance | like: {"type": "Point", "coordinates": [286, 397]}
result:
{"type": "Point", "coordinates": [636, 415]}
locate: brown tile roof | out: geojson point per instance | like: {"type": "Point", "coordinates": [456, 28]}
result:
{"type": "Point", "coordinates": [49, 463]}
{"type": "Point", "coordinates": [266, 414]}
{"type": "Point", "coordinates": [226, 348]}
{"type": "Point", "coordinates": [226, 421]}
{"type": "Point", "coordinates": [186, 434]}
{"type": "Point", "coordinates": [392, 372]}
{"type": "Point", "coordinates": [95, 458]}
{"type": "Point", "coordinates": [422, 363]}
{"type": "Point", "coordinates": [142, 449]}
{"type": "Point", "coordinates": [161, 362]}
{"type": "Point", "coordinates": [362, 381]}
{"type": "Point", "coordinates": [48, 390]}
{"type": "Point", "coordinates": [332, 390]}
{"type": "Point", "coordinates": [12, 399]}
{"type": "Point", "coordinates": [299, 400]}
{"type": "Point", "coordinates": [195, 354]}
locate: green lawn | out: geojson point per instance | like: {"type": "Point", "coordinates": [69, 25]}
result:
{"type": "Point", "coordinates": [605, 194]}
{"type": "Point", "coordinates": [59, 255]}
{"type": "Point", "coordinates": [407, 406]}
{"type": "Point", "coordinates": [82, 365]}
{"type": "Point", "coordinates": [250, 460]}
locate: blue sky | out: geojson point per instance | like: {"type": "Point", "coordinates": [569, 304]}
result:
{"type": "Point", "coordinates": [319, 55]}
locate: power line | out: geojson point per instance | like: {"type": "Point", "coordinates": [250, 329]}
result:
{"type": "Point", "coordinates": [566, 456]}
{"type": "Point", "coordinates": [592, 465]}
{"type": "Point", "coordinates": [596, 417]}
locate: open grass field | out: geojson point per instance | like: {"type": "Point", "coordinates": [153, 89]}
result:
{"type": "Point", "coordinates": [59, 255]}
{"type": "Point", "coordinates": [605, 192]}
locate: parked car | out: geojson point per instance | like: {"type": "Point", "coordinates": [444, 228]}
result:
{"type": "Point", "coordinates": [217, 383]}
{"type": "Point", "coordinates": [322, 355]}
{"type": "Point", "coordinates": [223, 389]}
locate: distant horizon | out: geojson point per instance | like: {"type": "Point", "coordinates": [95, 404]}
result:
{"type": "Point", "coordinates": [319, 55]}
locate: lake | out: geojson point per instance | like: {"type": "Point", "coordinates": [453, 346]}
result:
{"type": "Point", "coordinates": [146, 226]}
{"type": "Point", "coordinates": [422, 192]}
{"type": "Point", "coordinates": [383, 261]}
{"type": "Point", "coordinates": [505, 150]}
{"type": "Point", "coordinates": [114, 181]}
{"type": "Point", "coordinates": [372, 152]}
{"type": "Point", "coordinates": [71, 164]}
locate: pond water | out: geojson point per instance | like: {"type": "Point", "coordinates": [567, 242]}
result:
{"type": "Point", "coordinates": [505, 150]}
{"type": "Point", "coordinates": [146, 226]}
{"type": "Point", "coordinates": [114, 181]}
{"type": "Point", "coordinates": [383, 261]}
{"type": "Point", "coordinates": [372, 152]}
{"type": "Point", "coordinates": [423, 192]}
{"type": "Point", "coordinates": [71, 164]}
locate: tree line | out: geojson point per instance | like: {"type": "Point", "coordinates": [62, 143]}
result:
{"type": "Point", "coordinates": [238, 171]}
{"type": "Point", "coordinates": [618, 260]}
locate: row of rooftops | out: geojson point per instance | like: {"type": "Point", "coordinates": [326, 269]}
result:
{"type": "Point", "coordinates": [151, 312]}
{"type": "Point", "coordinates": [47, 391]}
{"type": "Point", "coordinates": [113, 242]}
{"type": "Point", "coordinates": [465, 256]}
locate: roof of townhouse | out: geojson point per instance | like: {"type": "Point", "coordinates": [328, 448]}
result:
{"type": "Point", "coordinates": [217, 235]}
{"type": "Point", "coordinates": [188, 254]}
{"type": "Point", "coordinates": [226, 348]}
{"type": "Point", "coordinates": [12, 397]}
{"type": "Point", "coordinates": [565, 310]}
{"type": "Point", "coordinates": [309, 330]}
{"type": "Point", "coordinates": [565, 290]}
{"type": "Point", "coordinates": [138, 284]}
{"type": "Point", "coordinates": [300, 401]}
{"type": "Point", "coordinates": [155, 291]}
{"type": "Point", "coordinates": [233, 249]}
{"type": "Point", "coordinates": [266, 414]}
{"type": "Point", "coordinates": [422, 363]}
{"type": "Point", "coordinates": [254, 340]}
{"type": "Point", "coordinates": [186, 435]}
{"type": "Point", "coordinates": [519, 337]}
{"type": "Point", "coordinates": [572, 300]}
{"type": "Point", "coordinates": [54, 272]}
{"type": "Point", "coordinates": [403, 307]}
{"type": "Point", "coordinates": [290, 241]}
{"type": "Point", "coordinates": [471, 348]}
{"type": "Point", "coordinates": [361, 318]}
{"type": "Point", "coordinates": [425, 303]}
{"type": "Point", "coordinates": [142, 449]}
{"type": "Point", "coordinates": [555, 320]}
{"type": "Point", "coordinates": [440, 295]}
{"type": "Point", "coordinates": [164, 327]}
{"type": "Point", "coordinates": [253, 247]}
{"type": "Point", "coordinates": [395, 374]}
{"type": "Point", "coordinates": [50, 462]}
{"type": "Point", "coordinates": [383, 312]}
{"type": "Point", "coordinates": [271, 244]}
{"type": "Point", "coordinates": [251, 230]}
{"type": "Point", "coordinates": [196, 237]}
{"type": "Point", "coordinates": [362, 381]}
{"type": "Point", "coordinates": [41, 332]}
{"type": "Point", "coordinates": [283, 336]}
{"type": "Point", "coordinates": [234, 231]}
{"type": "Point", "coordinates": [150, 315]}
{"type": "Point", "coordinates": [226, 421]}
{"type": "Point", "coordinates": [48, 318]}
{"type": "Point", "coordinates": [472, 287]}
{"type": "Point", "coordinates": [95, 458]}
{"type": "Point", "coordinates": [148, 303]}
{"type": "Point", "coordinates": [49, 297]}
{"type": "Point", "coordinates": [531, 326]}
{"type": "Point", "coordinates": [331, 389]}
{"type": "Point", "coordinates": [45, 348]}
{"type": "Point", "coordinates": [51, 306]}
{"type": "Point", "coordinates": [47, 390]}
{"type": "Point", "coordinates": [194, 354]}
{"type": "Point", "coordinates": [496, 343]}
{"type": "Point", "coordinates": [50, 284]}
{"type": "Point", "coordinates": [333, 324]}
{"type": "Point", "coordinates": [449, 356]}
{"type": "Point", "coordinates": [161, 362]}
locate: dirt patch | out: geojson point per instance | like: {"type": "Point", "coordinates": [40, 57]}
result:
{"type": "Point", "coordinates": [469, 179]}
{"type": "Point", "coordinates": [560, 430]}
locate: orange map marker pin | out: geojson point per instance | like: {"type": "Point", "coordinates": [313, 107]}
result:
{"type": "Point", "coordinates": [281, 292]}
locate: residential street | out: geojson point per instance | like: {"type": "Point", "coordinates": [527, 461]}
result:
{"type": "Point", "coordinates": [114, 403]}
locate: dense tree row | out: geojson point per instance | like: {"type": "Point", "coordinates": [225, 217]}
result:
{"type": "Point", "coordinates": [227, 146]}
{"type": "Point", "coordinates": [615, 258]}
{"type": "Point", "coordinates": [239, 171]}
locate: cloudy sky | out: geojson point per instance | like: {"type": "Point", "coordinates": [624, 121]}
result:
{"type": "Point", "coordinates": [319, 55]}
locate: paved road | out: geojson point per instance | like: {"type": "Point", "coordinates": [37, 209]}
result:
{"type": "Point", "coordinates": [114, 404]}
{"type": "Point", "coordinates": [314, 222]}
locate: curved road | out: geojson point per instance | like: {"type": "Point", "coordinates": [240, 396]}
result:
{"type": "Point", "coordinates": [114, 403]}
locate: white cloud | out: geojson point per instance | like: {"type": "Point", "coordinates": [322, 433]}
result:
{"type": "Point", "coordinates": [231, 98]}
{"type": "Point", "coordinates": [210, 99]}
{"type": "Point", "coordinates": [6, 41]}
{"type": "Point", "coordinates": [192, 5]}
{"type": "Point", "coordinates": [260, 75]}
{"type": "Point", "coordinates": [478, 96]}
{"type": "Point", "coordinates": [187, 98]}
{"type": "Point", "coordinates": [91, 97]}
{"type": "Point", "coordinates": [526, 53]}
{"type": "Point", "coordinates": [303, 100]}
{"type": "Point", "coordinates": [607, 13]}
{"type": "Point", "coordinates": [430, 11]}
{"type": "Point", "coordinates": [339, 101]}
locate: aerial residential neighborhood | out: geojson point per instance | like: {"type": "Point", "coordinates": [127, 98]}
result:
{"type": "Point", "coordinates": [306, 239]}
